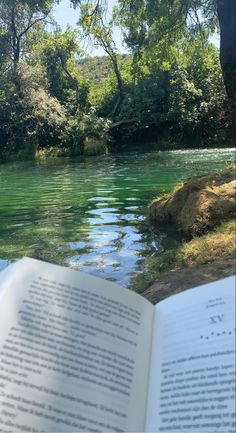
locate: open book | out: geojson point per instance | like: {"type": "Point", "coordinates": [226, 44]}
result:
{"type": "Point", "coordinates": [78, 353]}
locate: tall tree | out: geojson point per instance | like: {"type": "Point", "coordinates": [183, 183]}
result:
{"type": "Point", "coordinates": [226, 10]}
{"type": "Point", "coordinates": [93, 25]}
{"type": "Point", "coordinates": [17, 18]}
{"type": "Point", "coordinates": [60, 52]}
{"type": "Point", "coordinates": [152, 20]}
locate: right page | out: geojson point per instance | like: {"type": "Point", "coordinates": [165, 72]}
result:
{"type": "Point", "coordinates": [192, 374]}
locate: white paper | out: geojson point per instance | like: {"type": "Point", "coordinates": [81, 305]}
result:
{"type": "Point", "coordinates": [192, 381]}
{"type": "Point", "coordinates": [74, 352]}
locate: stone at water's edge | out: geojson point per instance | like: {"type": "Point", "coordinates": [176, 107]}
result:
{"type": "Point", "coordinates": [187, 278]}
{"type": "Point", "coordinates": [198, 205]}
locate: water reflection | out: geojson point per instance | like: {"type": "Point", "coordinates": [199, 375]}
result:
{"type": "Point", "coordinates": [86, 213]}
{"type": "Point", "coordinates": [114, 252]}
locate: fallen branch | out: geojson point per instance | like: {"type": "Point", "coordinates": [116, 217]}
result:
{"type": "Point", "coordinates": [123, 122]}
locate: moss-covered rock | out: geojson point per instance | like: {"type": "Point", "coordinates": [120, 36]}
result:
{"type": "Point", "coordinates": [199, 205]}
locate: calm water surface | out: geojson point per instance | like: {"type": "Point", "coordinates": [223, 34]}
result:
{"type": "Point", "coordinates": [88, 214]}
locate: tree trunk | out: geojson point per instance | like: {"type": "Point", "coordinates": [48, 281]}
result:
{"type": "Point", "coordinates": [226, 10]}
{"type": "Point", "coordinates": [16, 53]}
{"type": "Point", "coordinates": [16, 59]}
{"type": "Point", "coordinates": [73, 81]}
{"type": "Point", "coordinates": [120, 86]}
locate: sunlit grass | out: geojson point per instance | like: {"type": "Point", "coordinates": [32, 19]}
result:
{"type": "Point", "coordinates": [210, 247]}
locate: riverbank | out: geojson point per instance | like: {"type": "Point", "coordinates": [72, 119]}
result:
{"type": "Point", "coordinates": [96, 147]}
{"type": "Point", "coordinates": [178, 280]}
{"type": "Point", "coordinates": [202, 210]}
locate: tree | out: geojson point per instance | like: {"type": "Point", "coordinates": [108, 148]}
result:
{"type": "Point", "coordinates": [60, 54]}
{"type": "Point", "coordinates": [17, 18]}
{"type": "Point", "coordinates": [226, 10]}
{"type": "Point", "coordinates": [148, 21]}
{"type": "Point", "coordinates": [92, 23]}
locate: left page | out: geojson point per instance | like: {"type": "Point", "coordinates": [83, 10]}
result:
{"type": "Point", "coordinates": [74, 351]}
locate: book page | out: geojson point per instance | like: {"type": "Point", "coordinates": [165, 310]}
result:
{"type": "Point", "coordinates": [192, 381]}
{"type": "Point", "coordinates": [74, 352]}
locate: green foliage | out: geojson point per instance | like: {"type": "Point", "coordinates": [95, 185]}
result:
{"type": "Point", "coordinates": [103, 92]}
{"type": "Point", "coordinates": [93, 24]}
{"type": "Point", "coordinates": [78, 128]}
{"type": "Point", "coordinates": [18, 20]}
{"type": "Point", "coordinates": [30, 119]}
{"type": "Point", "coordinates": [59, 53]}
{"type": "Point", "coordinates": [157, 24]}
{"type": "Point", "coordinates": [183, 103]}
{"type": "Point", "coordinates": [169, 91]}
{"type": "Point", "coordinates": [95, 69]}
{"type": "Point", "coordinates": [72, 136]}
{"type": "Point", "coordinates": [197, 97]}
{"type": "Point", "coordinates": [94, 126]}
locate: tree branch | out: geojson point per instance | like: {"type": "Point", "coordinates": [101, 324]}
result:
{"type": "Point", "coordinates": [123, 122]}
{"type": "Point", "coordinates": [31, 25]}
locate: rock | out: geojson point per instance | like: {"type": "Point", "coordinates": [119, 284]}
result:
{"type": "Point", "coordinates": [199, 205]}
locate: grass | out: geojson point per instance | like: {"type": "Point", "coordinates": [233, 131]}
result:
{"type": "Point", "coordinates": [56, 152]}
{"type": "Point", "coordinates": [202, 210]}
{"type": "Point", "coordinates": [91, 147]}
{"type": "Point", "coordinates": [208, 248]}
{"type": "Point", "coordinates": [199, 205]}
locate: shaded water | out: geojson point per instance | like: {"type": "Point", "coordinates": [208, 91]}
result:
{"type": "Point", "coordinates": [87, 214]}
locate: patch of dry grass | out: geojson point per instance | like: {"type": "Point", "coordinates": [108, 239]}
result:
{"type": "Point", "coordinates": [199, 205]}
{"type": "Point", "coordinates": [210, 247]}
{"type": "Point", "coordinates": [93, 147]}
{"type": "Point", "coordinates": [216, 246]}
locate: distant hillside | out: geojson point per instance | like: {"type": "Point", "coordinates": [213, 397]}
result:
{"type": "Point", "coordinates": [97, 68]}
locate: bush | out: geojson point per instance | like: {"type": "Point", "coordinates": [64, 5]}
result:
{"type": "Point", "coordinates": [31, 118]}
{"type": "Point", "coordinates": [72, 136]}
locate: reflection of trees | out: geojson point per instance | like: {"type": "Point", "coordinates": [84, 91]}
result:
{"type": "Point", "coordinates": [50, 205]}
{"type": "Point", "coordinates": [53, 202]}
{"type": "Point", "coordinates": [119, 244]}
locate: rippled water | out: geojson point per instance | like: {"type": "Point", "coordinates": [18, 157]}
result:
{"type": "Point", "coordinates": [86, 214]}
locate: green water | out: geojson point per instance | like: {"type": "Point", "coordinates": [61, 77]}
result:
{"type": "Point", "coordinates": [86, 214]}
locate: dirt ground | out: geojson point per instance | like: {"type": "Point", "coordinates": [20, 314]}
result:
{"type": "Point", "coordinates": [186, 278]}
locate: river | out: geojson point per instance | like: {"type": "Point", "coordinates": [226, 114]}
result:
{"type": "Point", "coordinates": [88, 213]}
